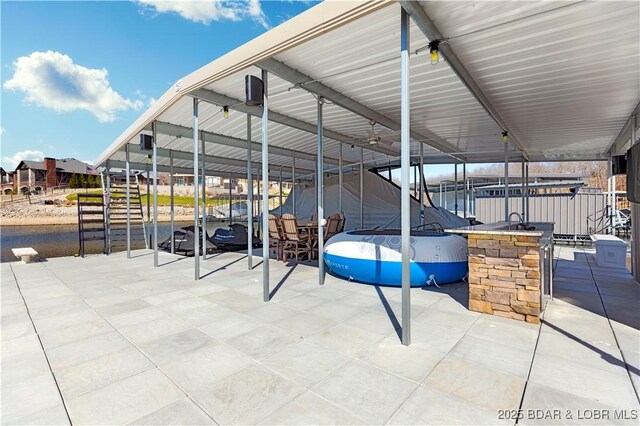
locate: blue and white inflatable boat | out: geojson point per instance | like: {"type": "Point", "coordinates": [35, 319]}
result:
{"type": "Point", "coordinates": [374, 257]}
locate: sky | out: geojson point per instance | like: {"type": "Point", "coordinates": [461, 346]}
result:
{"type": "Point", "coordinates": [75, 74]}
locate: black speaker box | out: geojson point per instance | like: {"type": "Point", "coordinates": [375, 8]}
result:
{"type": "Point", "coordinates": [254, 90]}
{"type": "Point", "coordinates": [619, 164]}
{"type": "Point", "coordinates": [146, 142]}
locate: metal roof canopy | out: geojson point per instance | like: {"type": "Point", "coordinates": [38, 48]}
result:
{"type": "Point", "coordinates": [561, 77]}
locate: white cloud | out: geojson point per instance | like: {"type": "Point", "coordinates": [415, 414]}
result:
{"type": "Point", "coordinates": [1, 131]}
{"type": "Point", "coordinates": [52, 80]}
{"type": "Point", "coordinates": [151, 101]}
{"type": "Point", "coordinates": [11, 162]}
{"type": "Point", "coordinates": [206, 11]}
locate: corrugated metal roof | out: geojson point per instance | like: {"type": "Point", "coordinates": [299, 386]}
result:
{"type": "Point", "coordinates": [564, 78]}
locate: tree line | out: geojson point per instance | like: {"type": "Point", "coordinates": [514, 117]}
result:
{"type": "Point", "coordinates": [84, 181]}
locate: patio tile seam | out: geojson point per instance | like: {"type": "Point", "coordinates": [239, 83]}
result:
{"type": "Point", "coordinates": [533, 357]}
{"type": "Point", "coordinates": [157, 367]}
{"type": "Point", "coordinates": [319, 396]}
{"type": "Point", "coordinates": [615, 336]}
{"type": "Point", "coordinates": [55, 380]}
{"type": "Point", "coordinates": [432, 369]}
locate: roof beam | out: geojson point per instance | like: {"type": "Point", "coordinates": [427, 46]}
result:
{"type": "Point", "coordinates": [210, 159]}
{"type": "Point", "coordinates": [238, 105]}
{"type": "Point", "coordinates": [294, 76]}
{"type": "Point", "coordinates": [176, 130]}
{"type": "Point", "coordinates": [118, 164]}
{"type": "Point", "coordinates": [428, 28]}
{"type": "Point", "coordinates": [620, 141]}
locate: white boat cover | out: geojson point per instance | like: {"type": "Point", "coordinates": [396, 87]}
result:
{"type": "Point", "coordinates": [381, 203]}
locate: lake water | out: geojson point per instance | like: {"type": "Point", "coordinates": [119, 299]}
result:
{"type": "Point", "coordinates": [62, 240]}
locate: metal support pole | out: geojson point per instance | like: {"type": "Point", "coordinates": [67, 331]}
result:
{"type": "Point", "coordinates": [446, 202]}
{"type": "Point", "coordinates": [421, 183]}
{"type": "Point", "coordinates": [148, 243]}
{"type": "Point", "coordinates": [128, 172]}
{"type": "Point", "coordinates": [440, 195]}
{"type": "Point", "coordinates": [249, 197]}
{"type": "Point", "coordinates": [405, 212]}
{"type": "Point", "coordinates": [468, 189]}
{"type": "Point", "coordinates": [259, 203]}
{"type": "Point", "coordinates": [280, 191]}
{"type": "Point", "coordinates": [265, 190]}
{"type": "Point", "coordinates": [361, 188]}
{"type": "Point", "coordinates": [455, 188]}
{"type": "Point", "coordinates": [340, 179]}
{"type": "Point", "coordinates": [610, 195]}
{"type": "Point", "coordinates": [320, 186]}
{"type": "Point", "coordinates": [196, 213]}
{"type": "Point", "coordinates": [171, 183]}
{"type": "Point", "coordinates": [506, 181]}
{"type": "Point", "coordinates": [107, 201]}
{"type": "Point", "coordinates": [527, 195]}
{"type": "Point", "coordinates": [524, 217]}
{"type": "Point", "coordinates": [635, 209]}
{"type": "Point", "coordinates": [155, 195]}
{"type": "Point", "coordinates": [204, 197]}
{"type": "Point", "coordinates": [464, 190]}
{"type": "Point", "coordinates": [293, 181]}
{"type": "Point", "coordinates": [230, 203]}
{"type": "Point", "coordinates": [415, 181]}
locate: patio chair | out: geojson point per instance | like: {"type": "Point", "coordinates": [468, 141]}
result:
{"type": "Point", "coordinates": [276, 236]}
{"type": "Point", "coordinates": [332, 227]}
{"type": "Point", "coordinates": [295, 242]}
{"type": "Point", "coordinates": [343, 221]}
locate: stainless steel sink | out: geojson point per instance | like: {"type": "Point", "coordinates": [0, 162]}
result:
{"type": "Point", "coordinates": [521, 227]}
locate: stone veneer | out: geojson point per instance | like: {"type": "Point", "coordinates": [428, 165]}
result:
{"type": "Point", "coordinates": [504, 276]}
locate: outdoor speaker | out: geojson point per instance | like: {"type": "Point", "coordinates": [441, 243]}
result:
{"type": "Point", "coordinates": [619, 164]}
{"type": "Point", "coordinates": [146, 142]}
{"type": "Point", "coordinates": [254, 90]}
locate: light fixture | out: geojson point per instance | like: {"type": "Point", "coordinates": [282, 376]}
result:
{"type": "Point", "coordinates": [505, 136]}
{"type": "Point", "coordinates": [225, 111]}
{"type": "Point", "coordinates": [434, 49]}
{"type": "Point", "coordinates": [353, 147]}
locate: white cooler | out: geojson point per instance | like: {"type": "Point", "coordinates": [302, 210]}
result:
{"type": "Point", "coordinates": [611, 251]}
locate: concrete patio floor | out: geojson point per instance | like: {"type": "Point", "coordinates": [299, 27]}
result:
{"type": "Point", "coordinates": [106, 340]}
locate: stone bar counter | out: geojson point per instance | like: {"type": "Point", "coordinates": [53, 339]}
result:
{"type": "Point", "coordinates": [508, 268]}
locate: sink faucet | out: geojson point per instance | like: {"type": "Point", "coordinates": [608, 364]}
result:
{"type": "Point", "coordinates": [519, 218]}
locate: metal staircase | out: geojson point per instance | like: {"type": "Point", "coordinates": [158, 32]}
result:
{"type": "Point", "coordinates": [91, 220]}
{"type": "Point", "coordinates": [117, 213]}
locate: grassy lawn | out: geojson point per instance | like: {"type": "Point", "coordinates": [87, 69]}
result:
{"type": "Point", "coordinates": [165, 200]}
{"type": "Point", "coordinates": [187, 201]}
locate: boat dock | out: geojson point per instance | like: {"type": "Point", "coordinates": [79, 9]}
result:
{"type": "Point", "coordinates": [110, 340]}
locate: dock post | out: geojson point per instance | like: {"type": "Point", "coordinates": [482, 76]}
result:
{"type": "Point", "coordinates": [320, 186]}
{"type": "Point", "coordinates": [171, 182]}
{"type": "Point", "coordinates": [455, 189]}
{"type": "Point", "coordinates": [506, 179]}
{"type": "Point", "coordinates": [204, 198]}
{"type": "Point", "coordinates": [155, 195]}
{"type": "Point", "coordinates": [196, 213]}
{"type": "Point", "coordinates": [340, 178]}
{"type": "Point", "coordinates": [361, 188]}
{"type": "Point", "coordinates": [421, 183]}
{"type": "Point", "coordinates": [464, 190]}
{"type": "Point", "coordinates": [128, 172]}
{"type": "Point", "coordinates": [522, 194]}
{"type": "Point", "coordinates": [293, 181]}
{"type": "Point", "coordinates": [249, 197]}
{"type": "Point", "coordinates": [405, 145]}
{"type": "Point", "coordinates": [265, 189]}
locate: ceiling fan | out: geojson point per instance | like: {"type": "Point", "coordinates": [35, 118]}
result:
{"type": "Point", "coordinates": [375, 139]}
